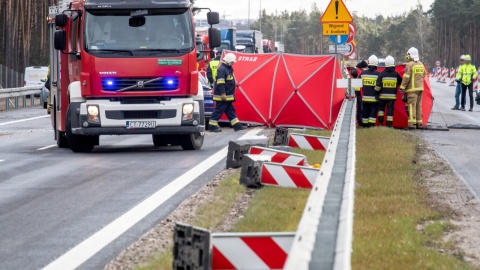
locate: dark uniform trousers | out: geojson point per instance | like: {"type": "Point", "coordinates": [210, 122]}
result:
{"type": "Point", "coordinates": [388, 106]}
{"type": "Point", "coordinates": [359, 108]}
{"type": "Point", "coordinates": [228, 109]}
{"type": "Point", "coordinates": [369, 114]}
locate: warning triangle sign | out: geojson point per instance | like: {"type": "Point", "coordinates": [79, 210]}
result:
{"type": "Point", "coordinates": [336, 12]}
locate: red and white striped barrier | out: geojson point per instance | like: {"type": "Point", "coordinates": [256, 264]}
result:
{"type": "Point", "coordinates": [452, 77]}
{"type": "Point", "coordinates": [439, 74]}
{"type": "Point", "coordinates": [444, 74]}
{"type": "Point", "coordinates": [274, 174]}
{"type": "Point", "coordinates": [309, 142]}
{"type": "Point", "coordinates": [250, 250]}
{"type": "Point", "coordinates": [279, 156]}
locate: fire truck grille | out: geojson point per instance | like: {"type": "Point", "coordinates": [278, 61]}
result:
{"type": "Point", "coordinates": [140, 84]}
{"type": "Point", "coordinates": [155, 114]}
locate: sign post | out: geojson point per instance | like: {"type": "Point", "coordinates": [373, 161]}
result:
{"type": "Point", "coordinates": [336, 19]}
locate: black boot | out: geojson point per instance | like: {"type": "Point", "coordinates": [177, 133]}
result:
{"type": "Point", "coordinates": [238, 127]}
{"type": "Point", "coordinates": [214, 129]}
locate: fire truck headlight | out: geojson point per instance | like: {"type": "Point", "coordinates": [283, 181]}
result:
{"type": "Point", "coordinates": [92, 110]}
{"type": "Point", "coordinates": [93, 113]}
{"type": "Point", "coordinates": [187, 111]}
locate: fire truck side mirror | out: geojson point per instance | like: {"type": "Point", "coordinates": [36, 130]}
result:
{"type": "Point", "coordinates": [61, 20]}
{"type": "Point", "coordinates": [60, 40]}
{"type": "Point", "coordinates": [213, 18]}
{"type": "Point", "coordinates": [214, 37]}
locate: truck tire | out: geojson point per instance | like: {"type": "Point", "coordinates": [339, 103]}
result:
{"type": "Point", "coordinates": [62, 140]}
{"type": "Point", "coordinates": [192, 141]}
{"type": "Point", "coordinates": [78, 143]}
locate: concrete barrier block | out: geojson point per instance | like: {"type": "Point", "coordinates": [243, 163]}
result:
{"type": "Point", "coordinates": [238, 148]}
{"type": "Point", "coordinates": [252, 169]}
{"type": "Point", "coordinates": [191, 248]}
{"type": "Point", "coordinates": [281, 136]}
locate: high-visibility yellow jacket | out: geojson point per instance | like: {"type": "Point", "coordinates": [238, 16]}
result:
{"type": "Point", "coordinates": [413, 76]}
{"type": "Point", "coordinates": [212, 70]}
{"type": "Point", "coordinates": [467, 73]}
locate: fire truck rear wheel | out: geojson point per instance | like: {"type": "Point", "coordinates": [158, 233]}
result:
{"type": "Point", "coordinates": [78, 143]}
{"type": "Point", "coordinates": [192, 141]}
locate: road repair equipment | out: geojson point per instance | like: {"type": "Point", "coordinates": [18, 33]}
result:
{"type": "Point", "coordinates": [104, 83]}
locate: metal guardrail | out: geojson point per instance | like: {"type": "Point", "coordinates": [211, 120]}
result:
{"type": "Point", "coordinates": [324, 235]}
{"type": "Point", "coordinates": [15, 93]}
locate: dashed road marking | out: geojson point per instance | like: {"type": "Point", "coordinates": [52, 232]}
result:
{"type": "Point", "coordinates": [24, 120]}
{"type": "Point", "coordinates": [46, 147]}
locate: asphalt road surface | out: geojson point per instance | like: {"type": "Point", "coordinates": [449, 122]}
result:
{"type": "Point", "coordinates": [52, 201]}
{"type": "Point", "coordinates": [460, 147]}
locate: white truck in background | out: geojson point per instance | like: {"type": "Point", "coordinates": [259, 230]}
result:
{"type": "Point", "coordinates": [279, 47]}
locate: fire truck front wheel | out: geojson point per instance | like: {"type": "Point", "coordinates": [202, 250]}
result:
{"type": "Point", "coordinates": [192, 141]}
{"type": "Point", "coordinates": [78, 143]}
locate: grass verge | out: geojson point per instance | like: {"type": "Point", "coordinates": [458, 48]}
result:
{"type": "Point", "coordinates": [394, 227]}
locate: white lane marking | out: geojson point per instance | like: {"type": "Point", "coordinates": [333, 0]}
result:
{"type": "Point", "coordinates": [46, 147]}
{"type": "Point", "coordinates": [24, 120]}
{"type": "Point", "coordinates": [90, 246]}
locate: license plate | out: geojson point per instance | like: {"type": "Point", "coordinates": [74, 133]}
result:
{"type": "Point", "coordinates": [140, 124]}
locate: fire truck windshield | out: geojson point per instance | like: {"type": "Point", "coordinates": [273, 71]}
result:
{"type": "Point", "coordinates": [161, 31]}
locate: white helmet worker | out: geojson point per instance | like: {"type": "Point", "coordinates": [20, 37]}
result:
{"type": "Point", "coordinates": [373, 60]}
{"type": "Point", "coordinates": [412, 54]}
{"type": "Point", "coordinates": [462, 57]}
{"type": "Point", "coordinates": [229, 58]}
{"type": "Point", "coordinates": [467, 58]}
{"type": "Point", "coordinates": [389, 61]}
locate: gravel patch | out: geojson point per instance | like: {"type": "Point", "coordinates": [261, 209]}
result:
{"type": "Point", "coordinates": [451, 196]}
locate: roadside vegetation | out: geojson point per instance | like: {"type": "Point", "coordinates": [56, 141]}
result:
{"type": "Point", "coordinates": [394, 227]}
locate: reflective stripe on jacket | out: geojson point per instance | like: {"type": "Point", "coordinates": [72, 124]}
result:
{"type": "Point", "coordinates": [413, 77]}
{"type": "Point", "coordinates": [387, 84]}
{"type": "Point", "coordinates": [225, 83]}
{"type": "Point", "coordinates": [467, 73]}
{"type": "Point", "coordinates": [369, 80]}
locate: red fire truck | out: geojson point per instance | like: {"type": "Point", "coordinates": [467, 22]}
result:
{"type": "Point", "coordinates": [126, 67]}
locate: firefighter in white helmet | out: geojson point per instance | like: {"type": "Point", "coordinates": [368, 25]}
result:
{"type": "Point", "coordinates": [387, 83]}
{"type": "Point", "coordinates": [412, 84]}
{"type": "Point", "coordinates": [224, 95]}
{"type": "Point", "coordinates": [370, 96]}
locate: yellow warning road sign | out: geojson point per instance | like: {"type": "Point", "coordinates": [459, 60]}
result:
{"type": "Point", "coordinates": [336, 12]}
{"type": "Point", "coordinates": [333, 29]}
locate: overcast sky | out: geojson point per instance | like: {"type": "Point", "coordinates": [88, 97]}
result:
{"type": "Point", "coordinates": [236, 9]}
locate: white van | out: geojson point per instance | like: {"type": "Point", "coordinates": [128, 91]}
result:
{"type": "Point", "coordinates": [34, 76]}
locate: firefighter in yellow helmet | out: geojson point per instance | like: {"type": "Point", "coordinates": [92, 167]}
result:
{"type": "Point", "coordinates": [412, 84]}
{"type": "Point", "coordinates": [466, 74]}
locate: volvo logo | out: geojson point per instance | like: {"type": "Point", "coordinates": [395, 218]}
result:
{"type": "Point", "coordinates": [140, 84]}
{"type": "Point", "coordinates": [107, 72]}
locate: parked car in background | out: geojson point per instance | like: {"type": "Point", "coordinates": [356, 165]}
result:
{"type": "Point", "coordinates": [35, 76]}
{"type": "Point", "coordinates": [207, 97]}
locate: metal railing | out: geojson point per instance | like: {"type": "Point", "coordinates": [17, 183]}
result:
{"type": "Point", "coordinates": [15, 93]}
{"type": "Point", "coordinates": [324, 236]}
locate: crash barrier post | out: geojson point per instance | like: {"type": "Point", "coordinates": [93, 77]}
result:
{"type": "Point", "coordinates": [279, 156]}
{"type": "Point", "coordinates": [15, 93]}
{"type": "Point", "coordinates": [452, 77]}
{"type": "Point", "coordinates": [238, 148]}
{"type": "Point", "coordinates": [191, 247]}
{"type": "Point", "coordinates": [324, 236]}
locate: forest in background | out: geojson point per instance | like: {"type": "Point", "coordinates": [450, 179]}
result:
{"type": "Point", "coordinates": [442, 32]}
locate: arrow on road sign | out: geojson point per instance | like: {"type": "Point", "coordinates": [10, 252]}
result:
{"type": "Point", "coordinates": [342, 49]}
{"type": "Point", "coordinates": [339, 39]}
{"type": "Point", "coordinates": [336, 12]}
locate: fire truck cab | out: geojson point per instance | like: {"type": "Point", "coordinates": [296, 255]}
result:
{"type": "Point", "coordinates": [126, 67]}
